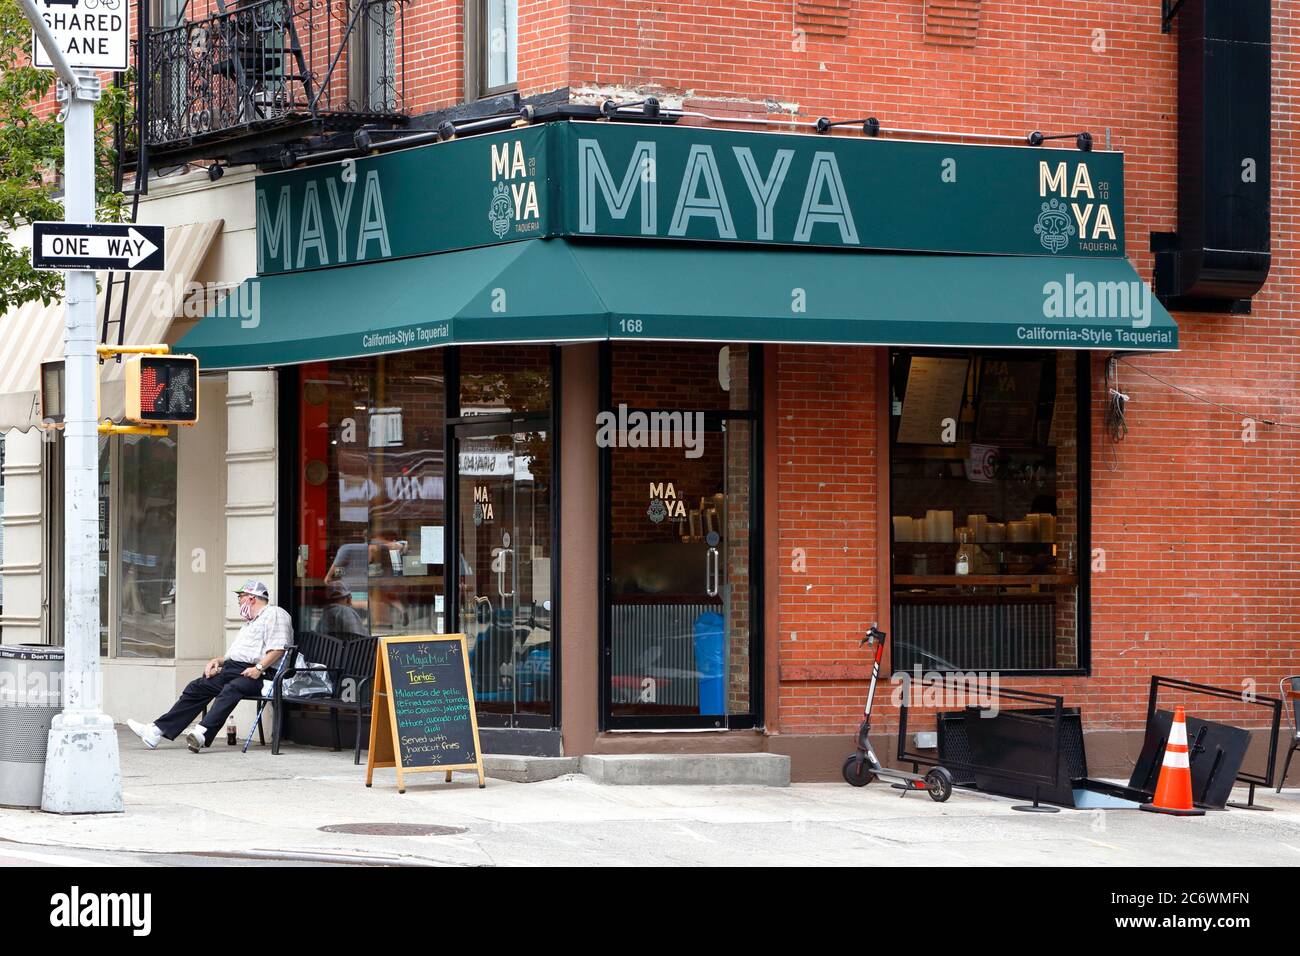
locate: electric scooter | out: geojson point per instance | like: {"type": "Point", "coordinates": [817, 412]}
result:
{"type": "Point", "coordinates": [861, 767]}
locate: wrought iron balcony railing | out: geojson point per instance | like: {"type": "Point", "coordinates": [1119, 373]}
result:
{"type": "Point", "coordinates": [272, 71]}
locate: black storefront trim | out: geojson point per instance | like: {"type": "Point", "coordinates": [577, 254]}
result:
{"type": "Point", "coordinates": [602, 549]}
{"type": "Point", "coordinates": [289, 461]}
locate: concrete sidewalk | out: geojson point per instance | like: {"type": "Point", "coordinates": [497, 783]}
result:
{"type": "Point", "coordinates": [255, 804]}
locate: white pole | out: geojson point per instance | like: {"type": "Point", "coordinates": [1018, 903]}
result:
{"type": "Point", "coordinates": [48, 43]}
{"type": "Point", "coordinates": [82, 769]}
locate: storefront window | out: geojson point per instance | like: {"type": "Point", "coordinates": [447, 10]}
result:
{"type": "Point", "coordinates": [505, 379]}
{"type": "Point", "coordinates": [374, 530]}
{"type": "Point", "coordinates": [681, 602]}
{"type": "Point", "coordinates": [146, 545]}
{"type": "Point", "coordinates": [985, 464]}
{"type": "Point", "coordinates": [137, 544]}
{"type": "Point", "coordinates": [372, 517]}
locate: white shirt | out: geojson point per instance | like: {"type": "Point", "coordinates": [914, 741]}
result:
{"type": "Point", "coordinates": [272, 630]}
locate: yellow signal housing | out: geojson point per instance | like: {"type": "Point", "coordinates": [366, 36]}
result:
{"type": "Point", "coordinates": [162, 389]}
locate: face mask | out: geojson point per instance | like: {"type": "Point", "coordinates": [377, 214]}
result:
{"type": "Point", "coordinates": [246, 611]}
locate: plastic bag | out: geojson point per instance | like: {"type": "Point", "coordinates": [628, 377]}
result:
{"type": "Point", "coordinates": [305, 684]}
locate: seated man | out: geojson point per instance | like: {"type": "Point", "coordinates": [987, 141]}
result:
{"type": "Point", "coordinates": [260, 644]}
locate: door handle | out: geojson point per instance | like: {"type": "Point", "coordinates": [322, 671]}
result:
{"type": "Point", "coordinates": [711, 567]}
{"type": "Point", "coordinates": [506, 554]}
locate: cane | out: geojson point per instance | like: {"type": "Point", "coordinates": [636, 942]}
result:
{"type": "Point", "coordinates": [275, 682]}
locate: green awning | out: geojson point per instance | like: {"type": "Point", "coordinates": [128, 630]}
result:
{"type": "Point", "coordinates": [855, 298]}
{"type": "Point", "coordinates": [518, 292]}
{"type": "Point", "coordinates": [559, 290]}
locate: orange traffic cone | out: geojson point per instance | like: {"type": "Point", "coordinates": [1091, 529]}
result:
{"type": "Point", "coordinates": [1174, 788]}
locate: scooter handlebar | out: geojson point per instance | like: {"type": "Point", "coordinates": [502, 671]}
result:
{"type": "Point", "coordinates": [873, 636]}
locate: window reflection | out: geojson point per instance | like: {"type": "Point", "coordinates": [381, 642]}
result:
{"type": "Point", "coordinates": [505, 573]}
{"type": "Point", "coordinates": [370, 550]}
{"type": "Point", "coordinates": [500, 379]}
{"type": "Point", "coordinates": [146, 543]}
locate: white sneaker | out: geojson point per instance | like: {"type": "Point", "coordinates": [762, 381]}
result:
{"type": "Point", "coordinates": [149, 734]}
{"type": "Point", "coordinates": [196, 738]}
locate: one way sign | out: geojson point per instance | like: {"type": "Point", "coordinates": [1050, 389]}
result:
{"type": "Point", "coordinates": [119, 247]}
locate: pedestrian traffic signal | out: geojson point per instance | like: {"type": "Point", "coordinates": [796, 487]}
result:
{"type": "Point", "coordinates": [162, 389]}
{"type": "Point", "coordinates": [52, 398]}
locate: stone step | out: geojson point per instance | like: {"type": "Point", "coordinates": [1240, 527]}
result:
{"type": "Point", "coordinates": [750, 769]}
{"type": "Point", "coordinates": [522, 769]}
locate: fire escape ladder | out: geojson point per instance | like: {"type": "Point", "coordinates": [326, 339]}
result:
{"type": "Point", "coordinates": [138, 187]}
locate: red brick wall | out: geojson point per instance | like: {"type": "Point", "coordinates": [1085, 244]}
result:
{"type": "Point", "coordinates": [827, 487]}
{"type": "Point", "coordinates": [1199, 529]}
{"type": "Point", "coordinates": [435, 54]}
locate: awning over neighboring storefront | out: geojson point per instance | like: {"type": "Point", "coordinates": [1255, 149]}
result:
{"type": "Point", "coordinates": [562, 290]}
{"type": "Point", "coordinates": [33, 333]}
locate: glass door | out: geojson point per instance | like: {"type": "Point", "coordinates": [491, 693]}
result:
{"type": "Point", "coordinates": [503, 567]}
{"type": "Point", "coordinates": [679, 598]}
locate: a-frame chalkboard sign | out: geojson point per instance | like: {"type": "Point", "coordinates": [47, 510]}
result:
{"type": "Point", "coordinates": [422, 714]}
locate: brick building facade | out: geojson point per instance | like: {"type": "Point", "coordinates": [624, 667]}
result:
{"type": "Point", "coordinates": [1192, 530]}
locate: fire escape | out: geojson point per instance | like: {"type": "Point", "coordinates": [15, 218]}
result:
{"type": "Point", "coordinates": [256, 82]}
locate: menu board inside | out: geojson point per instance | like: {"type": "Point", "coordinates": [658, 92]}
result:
{"type": "Point", "coordinates": [932, 400]}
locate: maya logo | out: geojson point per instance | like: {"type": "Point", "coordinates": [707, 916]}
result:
{"type": "Point", "coordinates": [1077, 208]}
{"type": "Point", "coordinates": [1054, 227]}
{"type": "Point", "coordinates": [514, 197]}
{"type": "Point", "coordinates": [77, 909]}
{"type": "Point", "coordinates": [501, 214]}
{"type": "Point", "coordinates": [325, 221]}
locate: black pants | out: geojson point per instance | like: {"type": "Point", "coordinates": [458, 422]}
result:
{"type": "Point", "coordinates": [227, 688]}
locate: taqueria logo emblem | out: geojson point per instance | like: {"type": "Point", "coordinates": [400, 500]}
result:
{"type": "Point", "coordinates": [1077, 207]}
{"type": "Point", "coordinates": [501, 214]}
{"type": "Point", "coordinates": [77, 909]}
{"type": "Point", "coordinates": [1054, 228]}
{"type": "Point", "coordinates": [514, 191]}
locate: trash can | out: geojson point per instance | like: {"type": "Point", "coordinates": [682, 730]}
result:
{"type": "Point", "coordinates": [31, 693]}
{"type": "Point", "coordinates": [710, 662]}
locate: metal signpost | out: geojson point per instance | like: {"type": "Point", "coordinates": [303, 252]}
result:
{"type": "Point", "coordinates": [82, 769]}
